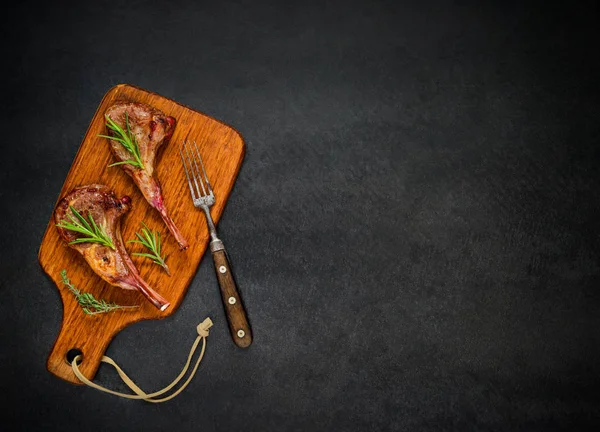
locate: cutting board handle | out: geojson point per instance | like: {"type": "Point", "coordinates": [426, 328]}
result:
{"type": "Point", "coordinates": [86, 339]}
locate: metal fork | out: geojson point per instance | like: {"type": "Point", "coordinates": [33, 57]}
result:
{"type": "Point", "coordinates": [204, 198]}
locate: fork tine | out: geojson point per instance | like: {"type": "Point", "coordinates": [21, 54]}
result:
{"type": "Point", "coordinates": [195, 159]}
{"type": "Point", "coordinates": [195, 172]}
{"type": "Point", "coordinates": [203, 169]}
{"type": "Point", "coordinates": [185, 167]}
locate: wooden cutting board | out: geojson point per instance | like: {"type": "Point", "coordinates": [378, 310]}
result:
{"type": "Point", "coordinates": [222, 149]}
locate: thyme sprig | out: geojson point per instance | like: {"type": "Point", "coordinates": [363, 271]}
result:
{"type": "Point", "coordinates": [94, 233]}
{"type": "Point", "coordinates": [127, 140]}
{"type": "Point", "coordinates": [89, 304]}
{"type": "Point", "coordinates": [151, 240]}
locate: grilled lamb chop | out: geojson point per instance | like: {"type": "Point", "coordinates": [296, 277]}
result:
{"type": "Point", "coordinates": [151, 129]}
{"type": "Point", "coordinates": [112, 265]}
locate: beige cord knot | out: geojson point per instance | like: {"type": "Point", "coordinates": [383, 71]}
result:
{"type": "Point", "coordinates": [203, 327]}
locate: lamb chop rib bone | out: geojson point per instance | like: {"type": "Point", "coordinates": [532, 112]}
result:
{"type": "Point", "coordinates": [113, 266]}
{"type": "Point", "coordinates": [151, 129]}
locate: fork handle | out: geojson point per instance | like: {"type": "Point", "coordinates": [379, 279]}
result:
{"type": "Point", "coordinates": [232, 302]}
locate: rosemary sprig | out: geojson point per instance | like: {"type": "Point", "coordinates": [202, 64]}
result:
{"type": "Point", "coordinates": [127, 140]}
{"type": "Point", "coordinates": [151, 240]}
{"type": "Point", "coordinates": [88, 302]}
{"type": "Point", "coordinates": [94, 233]}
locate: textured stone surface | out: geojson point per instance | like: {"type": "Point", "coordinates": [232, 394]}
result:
{"type": "Point", "coordinates": [414, 228]}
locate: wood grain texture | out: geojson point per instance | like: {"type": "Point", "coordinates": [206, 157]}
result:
{"type": "Point", "coordinates": [232, 301]}
{"type": "Point", "coordinates": [222, 149]}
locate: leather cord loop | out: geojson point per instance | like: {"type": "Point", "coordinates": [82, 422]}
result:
{"type": "Point", "coordinates": [202, 330]}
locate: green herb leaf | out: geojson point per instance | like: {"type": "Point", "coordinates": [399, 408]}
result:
{"type": "Point", "coordinates": [130, 162]}
{"type": "Point", "coordinates": [89, 304]}
{"type": "Point", "coordinates": [94, 233]}
{"type": "Point", "coordinates": [127, 139]}
{"type": "Point", "coordinates": [151, 240]}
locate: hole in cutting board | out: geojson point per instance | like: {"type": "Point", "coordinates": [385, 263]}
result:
{"type": "Point", "coordinates": [72, 353]}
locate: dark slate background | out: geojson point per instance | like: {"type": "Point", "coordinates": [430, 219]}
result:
{"type": "Point", "coordinates": [414, 227]}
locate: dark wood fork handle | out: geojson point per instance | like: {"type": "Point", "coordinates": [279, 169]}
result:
{"type": "Point", "coordinates": [234, 307]}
